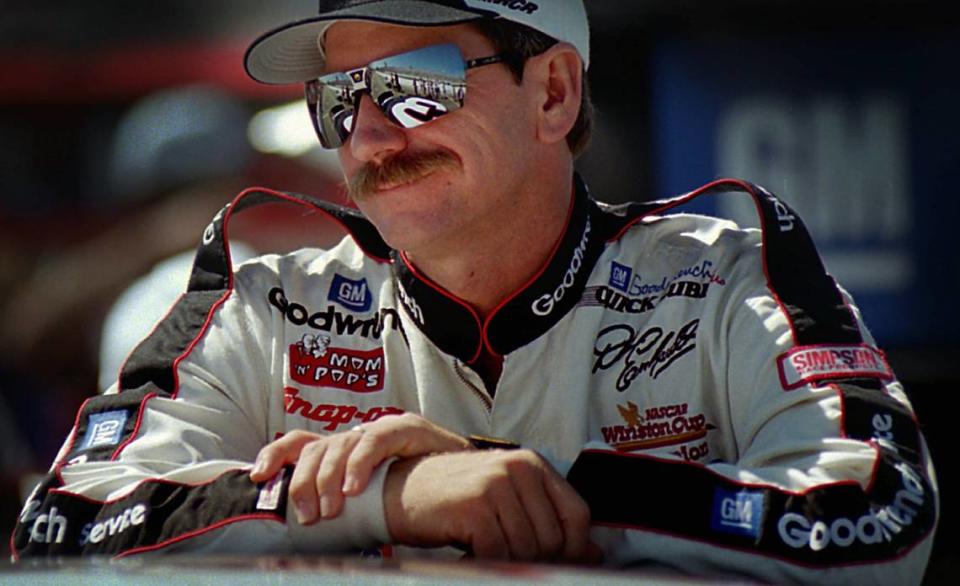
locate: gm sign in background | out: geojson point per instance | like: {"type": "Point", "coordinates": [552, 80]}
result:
{"type": "Point", "coordinates": [860, 135]}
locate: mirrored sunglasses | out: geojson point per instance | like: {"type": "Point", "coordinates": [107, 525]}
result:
{"type": "Point", "coordinates": [410, 89]}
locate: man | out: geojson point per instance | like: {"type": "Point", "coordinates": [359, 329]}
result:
{"type": "Point", "coordinates": [679, 391]}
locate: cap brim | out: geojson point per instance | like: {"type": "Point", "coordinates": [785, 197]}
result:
{"type": "Point", "coordinates": [289, 54]}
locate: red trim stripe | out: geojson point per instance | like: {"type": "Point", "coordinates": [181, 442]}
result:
{"type": "Point", "coordinates": [531, 280]}
{"type": "Point", "coordinates": [287, 197]}
{"type": "Point", "coordinates": [429, 282]}
{"type": "Point", "coordinates": [201, 531]}
{"type": "Point", "coordinates": [136, 427]}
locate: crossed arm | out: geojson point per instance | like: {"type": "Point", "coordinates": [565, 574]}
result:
{"type": "Point", "coordinates": [439, 490]}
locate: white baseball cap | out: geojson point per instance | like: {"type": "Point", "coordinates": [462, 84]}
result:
{"type": "Point", "coordinates": [292, 53]}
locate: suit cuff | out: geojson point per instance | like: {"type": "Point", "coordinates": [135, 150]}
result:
{"type": "Point", "coordinates": [362, 524]}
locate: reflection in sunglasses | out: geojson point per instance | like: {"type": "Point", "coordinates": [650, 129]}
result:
{"type": "Point", "coordinates": [410, 89]}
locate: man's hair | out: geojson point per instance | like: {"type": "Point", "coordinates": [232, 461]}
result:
{"type": "Point", "coordinates": [523, 43]}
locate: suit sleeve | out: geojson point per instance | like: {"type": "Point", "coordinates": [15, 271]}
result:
{"type": "Point", "coordinates": [832, 482]}
{"type": "Point", "coordinates": [163, 465]}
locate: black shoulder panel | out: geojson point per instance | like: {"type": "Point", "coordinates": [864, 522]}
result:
{"type": "Point", "coordinates": [212, 268]}
{"type": "Point", "coordinates": [795, 274]}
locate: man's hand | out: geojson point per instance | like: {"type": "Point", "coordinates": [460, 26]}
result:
{"type": "Point", "coordinates": [498, 504]}
{"type": "Point", "coordinates": [329, 467]}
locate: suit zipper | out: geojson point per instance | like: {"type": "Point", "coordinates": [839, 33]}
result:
{"type": "Point", "coordinates": [480, 393]}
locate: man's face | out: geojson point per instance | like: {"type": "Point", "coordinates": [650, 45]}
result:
{"type": "Point", "coordinates": [461, 169]}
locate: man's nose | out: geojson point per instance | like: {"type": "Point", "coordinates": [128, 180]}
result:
{"type": "Point", "coordinates": [374, 137]}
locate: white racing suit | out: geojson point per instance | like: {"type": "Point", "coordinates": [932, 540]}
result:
{"type": "Point", "coordinates": [709, 391]}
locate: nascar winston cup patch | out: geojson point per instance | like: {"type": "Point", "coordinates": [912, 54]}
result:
{"type": "Point", "coordinates": [807, 364]}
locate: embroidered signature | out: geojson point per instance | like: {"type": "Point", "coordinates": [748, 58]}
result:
{"type": "Point", "coordinates": [650, 352]}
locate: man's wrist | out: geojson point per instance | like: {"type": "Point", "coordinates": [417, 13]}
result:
{"type": "Point", "coordinates": [393, 486]}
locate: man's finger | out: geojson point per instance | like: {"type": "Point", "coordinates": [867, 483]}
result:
{"type": "Point", "coordinates": [516, 526]}
{"type": "Point", "coordinates": [539, 507]}
{"type": "Point", "coordinates": [573, 514]}
{"type": "Point", "coordinates": [279, 453]}
{"type": "Point", "coordinates": [329, 477]}
{"type": "Point", "coordinates": [369, 452]}
{"type": "Point", "coordinates": [489, 542]}
{"type": "Point", "coordinates": [303, 488]}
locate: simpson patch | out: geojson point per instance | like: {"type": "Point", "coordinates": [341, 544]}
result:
{"type": "Point", "coordinates": [807, 364]}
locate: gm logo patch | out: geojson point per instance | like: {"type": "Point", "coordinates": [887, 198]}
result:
{"type": "Point", "coordinates": [620, 276]}
{"type": "Point", "coordinates": [104, 429]}
{"type": "Point", "coordinates": [351, 294]}
{"type": "Point", "coordinates": [737, 512]}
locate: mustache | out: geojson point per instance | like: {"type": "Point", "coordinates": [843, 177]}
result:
{"type": "Point", "coordinates": [397, 170]}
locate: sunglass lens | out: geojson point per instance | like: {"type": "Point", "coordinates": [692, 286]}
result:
{"type": "Point", "coordinates": [410, 89]}
{"type": "Point", "coordinates": [418, 87]}
{"type": "Point", "coordinates": [331, 103]}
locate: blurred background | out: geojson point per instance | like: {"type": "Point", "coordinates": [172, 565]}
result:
{"type": "Point", "coordinates": [125, 126]}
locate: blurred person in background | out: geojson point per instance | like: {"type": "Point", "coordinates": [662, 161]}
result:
{"type": "Point", "coordinates": [493, 362]}
{"type": "Point", "coordinates": [176, 156]}
{"type": "Point", "coordinates": [191, 139]}
{"type": "Point", "coordinates": [71, 316]}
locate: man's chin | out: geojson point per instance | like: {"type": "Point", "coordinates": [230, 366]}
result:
{"type": "Point", "coordinates": [404, 224]}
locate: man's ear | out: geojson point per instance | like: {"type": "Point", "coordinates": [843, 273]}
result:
{"type": "Point", "coordinates": [557, 75]}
